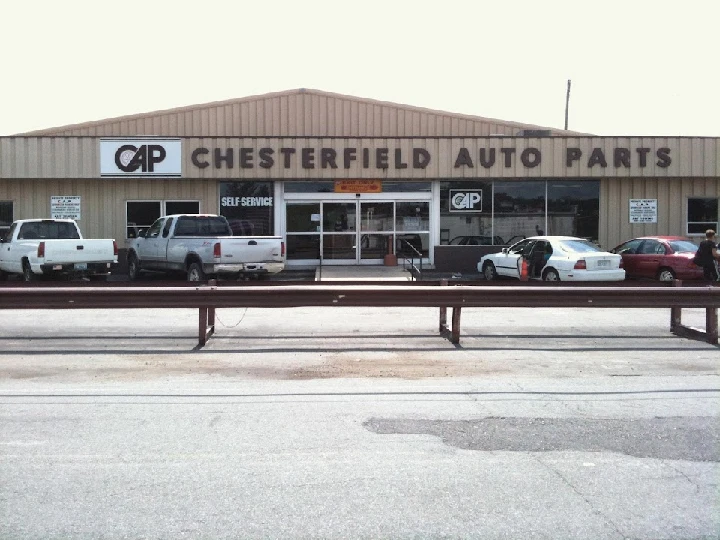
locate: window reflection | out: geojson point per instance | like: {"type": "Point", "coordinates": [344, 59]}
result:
{"type": "Point", "coordinates": [574, 208]}
{"type": "Point", "coordinates": [513, 210]}
{"type": "Point", "coordinates": [519, 209]}
{"type": "Point", "coordinates": [412, 216]}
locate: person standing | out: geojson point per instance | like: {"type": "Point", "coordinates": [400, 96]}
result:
{"type": "Point", "coordinates": [706, 256]}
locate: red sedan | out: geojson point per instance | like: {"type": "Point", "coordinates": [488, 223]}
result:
{"type": "Point", "coordinates": [665, 258]}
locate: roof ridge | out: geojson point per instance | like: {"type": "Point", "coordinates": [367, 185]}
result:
{"type": "Point", "coordinates": [296, 91]}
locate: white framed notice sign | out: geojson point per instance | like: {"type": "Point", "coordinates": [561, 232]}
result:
{"type": "Point", "coordinates": [643, 210]}
{"type": "Point", "coordinates": [65, 207]}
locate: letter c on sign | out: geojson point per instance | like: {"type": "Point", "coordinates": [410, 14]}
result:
{"type": "Point", "coordinates": [124, 157]}
{"type": "Point", "coordinates": [195, 157]}
{"type": "Point", "coordinates": [459, 200]}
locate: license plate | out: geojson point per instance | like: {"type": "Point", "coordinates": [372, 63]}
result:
{"type": "Point", "coordinates": [80, 266]}
{"type": "Point", "coordinates": [603, 263]}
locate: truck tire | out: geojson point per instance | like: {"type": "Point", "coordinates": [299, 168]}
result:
{"type": "Point", "coordinates": [27, 274]}
{"type": "Point", "coordinates": [195, 272]}
{"type": "Point", "coordinates": [133, 267]}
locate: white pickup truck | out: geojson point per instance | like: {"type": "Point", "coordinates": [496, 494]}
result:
{"type": "Point", "coordinates": [54, 247]}
{"type": "Point", "coordinates": [201, 246]}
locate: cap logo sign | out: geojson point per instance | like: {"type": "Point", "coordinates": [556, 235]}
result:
{"type": "Point", "coordinates": [465, 201]}
{"type": "Point", "coordinates": [129, 158]}
{"type": "Point", "coordinates": [138, 157]}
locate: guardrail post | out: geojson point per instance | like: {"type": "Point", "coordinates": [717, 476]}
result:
{"type": "Point", "coordinates": [455, 337]}
{"type": "Point", "coordinates": [443, 311]}
{"type": "Point", "coordinates": [676, 312]}
{"type": "Point", "coordinates": [206, 323]}
{"type": "Point", "coordinates": [711, 325]}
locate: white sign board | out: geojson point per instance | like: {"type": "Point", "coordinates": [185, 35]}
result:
{"type": "Point", "coordinates": [643, 210]}
{"type": "Point", "coordinates": [65, 207]}
{"type": "Point", "coordinates": [140, 157]}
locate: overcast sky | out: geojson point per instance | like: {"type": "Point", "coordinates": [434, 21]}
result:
{"type": "Point", "coordinates": [637, 67]}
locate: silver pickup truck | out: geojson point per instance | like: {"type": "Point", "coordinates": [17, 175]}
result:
{"type": "Point", "coordinates": [54, 247]}
{"type": "Point", "coordinates": [201, 246]}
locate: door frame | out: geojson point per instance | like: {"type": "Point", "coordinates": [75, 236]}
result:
{"type": "Point", "coordinates": [392, 197]}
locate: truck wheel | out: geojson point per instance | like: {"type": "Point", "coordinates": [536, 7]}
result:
{"type": "Point", "coordinates": [27, 274]}
{"type": "Point", "coordinates": [195, 272]}
{"type": "Point", "coordinates": [133, 267]}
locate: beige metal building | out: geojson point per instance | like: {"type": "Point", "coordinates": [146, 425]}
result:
{"type": "Point", "coordinates": [345, 180]}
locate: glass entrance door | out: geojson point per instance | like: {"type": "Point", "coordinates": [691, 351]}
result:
{"type": "Point", "coordinates": [339, 232]}
{"type": "Point", "coordinates": [357, 232]}
{"type": "Point", "coordinates": [347, 232]}
{"type": "Point", "coordinates": [376, 230]}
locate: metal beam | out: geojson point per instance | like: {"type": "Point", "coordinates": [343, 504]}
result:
{"type": "Point", "coordinates": [360, 295]}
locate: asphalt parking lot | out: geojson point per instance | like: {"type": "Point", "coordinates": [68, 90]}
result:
{"type": "Point", "coordinates": [357, 423]}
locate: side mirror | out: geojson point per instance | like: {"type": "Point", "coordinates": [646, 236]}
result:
{"type": "Point", "coordinates": [504, 250]}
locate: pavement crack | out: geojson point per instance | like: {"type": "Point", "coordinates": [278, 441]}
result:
{"type": "Point", "coordinates": [682, 473]}
{"type": "Point", "coordinates": [579, 494]}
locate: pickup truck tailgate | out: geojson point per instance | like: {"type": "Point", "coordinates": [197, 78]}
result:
{"type": "Point", "coordinates": [74, 251]}
{"type": "Point", "coordinates": [247, 249]}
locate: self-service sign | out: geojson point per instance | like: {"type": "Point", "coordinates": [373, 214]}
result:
{"type": "Point", "coordinates": [465, 200]}
{"type": "Point", "coordinates": [140, 157]}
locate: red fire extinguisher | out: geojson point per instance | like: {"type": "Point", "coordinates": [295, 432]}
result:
{"type": "Point", "coordinates": [524, 270]}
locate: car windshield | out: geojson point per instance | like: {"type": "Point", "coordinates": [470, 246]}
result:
{"type": "Point", "coordinates": [682, 246]}
{"type": "Point", "coordinates": [579, 246]}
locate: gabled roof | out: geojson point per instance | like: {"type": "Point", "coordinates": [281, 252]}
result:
{"type": "Point", "coordinates": [298, 113]}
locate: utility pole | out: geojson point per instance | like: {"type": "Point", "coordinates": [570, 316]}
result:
{"type": "Point", "coordinates": [567, 104]}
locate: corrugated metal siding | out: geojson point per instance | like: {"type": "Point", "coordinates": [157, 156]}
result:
{"type": "Point", "coordinates": [103, 201]}
{"type": "Point", "coordinates": [296, 114]}
{"type": "Point", "coordinates": [671, 195]}
{"type": "Point", "coordinates": [49, 157]}
{"type": "Point", "coordinates": [78, 157]}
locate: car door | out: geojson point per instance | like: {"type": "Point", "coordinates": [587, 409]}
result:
{"type": "Point", "coordinates": [648, 259]}
{"type": "Point", "coordinates": [162, 245]}
{"type": "Point", "coordinates": [148, 245]}
{"type": "Point", "coordinates": [506, 262]}
{"type": "Point", "coordinates": [630, 256]}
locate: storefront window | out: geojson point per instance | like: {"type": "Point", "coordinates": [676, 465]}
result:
{"type": "Point", "coordinates": [503, 212]}
{"type": "Point", "coordinates": [6, 216]}
{"type": "Point", "coordinates": [466, 213]}
{"type": "Point", "coordinates": [519, 210]}
{"type": "Point", "coordinates": [573, 208]}
{"type": "Point", "coordinates": [248, 206]}
{"type": "Point", "coordinates": [141, 214]}
{"type": "Point", "coordinates": [310, 187]}
{"type": "Point", "coordinates": [406, 187]}
{"type": "Point", "coordinates": [702, 214]}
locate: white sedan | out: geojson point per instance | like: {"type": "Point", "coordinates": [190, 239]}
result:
{"type": "Point", "coordinates": [554, 258]}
